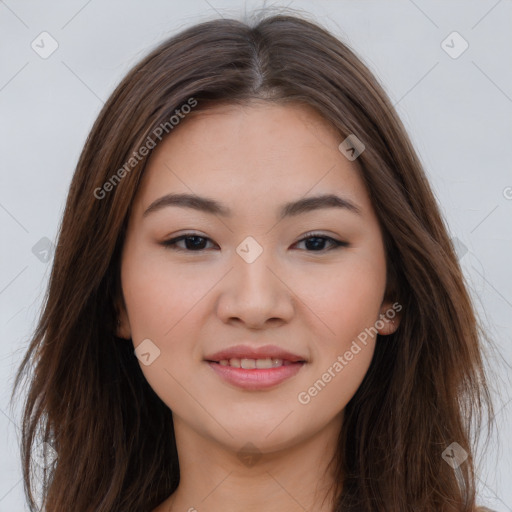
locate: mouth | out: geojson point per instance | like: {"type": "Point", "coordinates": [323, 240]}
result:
{"type": "Point", "coordinates": [255, 369]}
{"type": "Point", "coordinates": [255, 364]}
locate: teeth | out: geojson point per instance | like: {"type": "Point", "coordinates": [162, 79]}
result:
{"type": "Point", "coordinates": [251, 364]}
{"type": "Point", "coordinates": [264, 363]}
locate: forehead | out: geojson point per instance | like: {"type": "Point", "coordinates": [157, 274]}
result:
{"type": "Point", "coordinates": [256, 154]}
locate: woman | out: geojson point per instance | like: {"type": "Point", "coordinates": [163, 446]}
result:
{"type": "Point", "coordinates": [254, 302]}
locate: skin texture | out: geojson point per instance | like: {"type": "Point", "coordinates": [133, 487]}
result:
{"type": "Point", "coordinates": [310, 300]}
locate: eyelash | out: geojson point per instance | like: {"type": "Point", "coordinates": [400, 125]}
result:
{"type": "Point", "coordinates": [171, 244]}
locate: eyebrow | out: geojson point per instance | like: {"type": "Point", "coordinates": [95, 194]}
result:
{"type": "Point", "coordinates": [291, 209]}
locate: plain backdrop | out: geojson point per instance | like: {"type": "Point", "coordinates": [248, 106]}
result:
{"type": "Point", "coordinates": [452, 91]}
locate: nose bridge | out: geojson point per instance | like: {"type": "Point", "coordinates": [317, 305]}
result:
{"type": "Point", "coordinates": [254, 293]}
{"type": "Point", "coordinates": [252, 267]}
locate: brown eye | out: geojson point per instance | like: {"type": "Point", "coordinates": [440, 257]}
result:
{"type": "Point", "coordinates": [316, 242]}
{"type": "Point", "coordinates": [193, 243]}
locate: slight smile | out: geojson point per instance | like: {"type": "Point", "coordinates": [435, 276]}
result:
{"type": "Point", "coordinates": [255, 368]}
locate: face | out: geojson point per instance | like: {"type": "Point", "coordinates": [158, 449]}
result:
{"type": "Point", "coordinates": [243, 270]}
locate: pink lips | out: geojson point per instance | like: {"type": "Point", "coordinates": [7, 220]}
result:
{"type": "Point", "coordinates": [253, 379]}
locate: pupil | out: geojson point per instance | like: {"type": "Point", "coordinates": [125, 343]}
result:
{"type": "Point", "coordinates": [319, 241]}
{"type": "Point", "coordinates": [197, 244]}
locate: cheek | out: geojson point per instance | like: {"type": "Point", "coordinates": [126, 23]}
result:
{"type": "Point", "coordinates": [160, 300]}
{"type": "Point", "coordinates": [357, 296]}
{"type": "Point", "coordinates": [346, 299]}
{"type": "Point", "coordinates": [159, 295]}
{"type": "Point", "coordinates": [350, 307]}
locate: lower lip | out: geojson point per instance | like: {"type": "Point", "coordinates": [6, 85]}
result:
{"type": "Point", "coordinates": [257, 378]}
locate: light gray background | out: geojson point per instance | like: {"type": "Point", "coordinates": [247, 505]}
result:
{"type": "Point", "coordinates": [457, 110]}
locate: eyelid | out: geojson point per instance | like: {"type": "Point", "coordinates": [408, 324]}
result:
{"type": "Point", "coordinates": [313, 234]}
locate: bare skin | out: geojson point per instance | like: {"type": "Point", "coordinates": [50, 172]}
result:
{"type": "Point", "coordinates": [312, 299]}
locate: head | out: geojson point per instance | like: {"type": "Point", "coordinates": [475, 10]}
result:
{"type": "Point", "coordinates": [237, 126]}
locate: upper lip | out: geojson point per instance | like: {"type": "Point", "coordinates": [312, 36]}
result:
{"type": "Point", "coordinates": [247, 352]}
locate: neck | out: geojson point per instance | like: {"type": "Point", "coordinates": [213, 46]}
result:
{"type": "Point", "coordinates": [293, 479]}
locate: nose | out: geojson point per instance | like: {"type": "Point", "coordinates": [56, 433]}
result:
{"type": "Point", "coordinates": [255, 294]}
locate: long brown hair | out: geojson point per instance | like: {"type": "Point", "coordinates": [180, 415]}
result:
{"type": "Point", "coordinates": [88, 398]}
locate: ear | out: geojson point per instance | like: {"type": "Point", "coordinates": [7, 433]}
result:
{"type": "Point", "coordinates": [389, 318]}
{"type": "Point", "coordinates": [122, 327]}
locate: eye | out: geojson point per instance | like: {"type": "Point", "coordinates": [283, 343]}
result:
{"type": "Point", "coordinates": [193, 243]}
{"type": "Point", "coordinates": [196, 243]}
{"type": "Point", "coordinates": [319, 240]}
